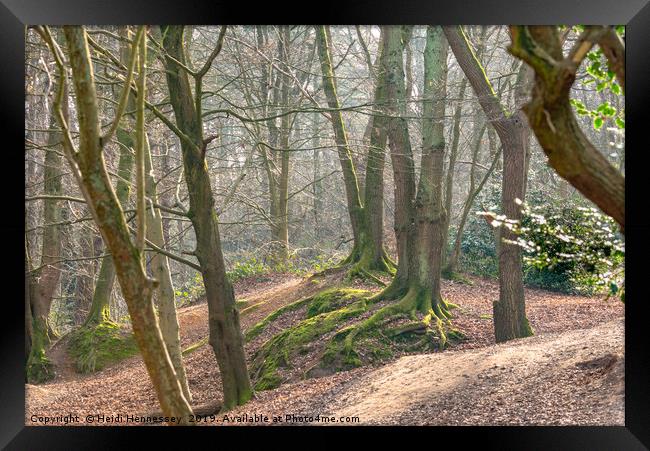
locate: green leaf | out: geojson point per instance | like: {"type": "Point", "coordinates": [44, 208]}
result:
{"type": "Point", "coordinates": [616, 88]}
{"type": "Point", "coordinates": [613, 288]}
{"type": "Point", "coordinates": [598, 123]}
{"type": "Point", "coordinates": [620, 123]}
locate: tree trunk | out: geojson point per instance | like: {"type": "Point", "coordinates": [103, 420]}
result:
{"type": "Point", "coordinates": [419, 217]}
{"type": "Point", "coordinates": [100, 307]}
{"type": "Point", "coordinates": [89, 168]}
{"type": "Point", "coordinates": [340, 136]}
{"type": "Point", "coordinates": [374, 185]}
{"type": "Point", "coordinates": [44, 283]}
{"type": "Point", "coordinates": [366, 221]}
{"type": "Point", "coordinates": [160, 269]}
{"type": "Point", "coordinates": [317, 186]}
{"type": "Point", "coordinates": [429, 211]}
{"type": "Point", "coordinates": [225, 333]}
{"type": "Point", "coordinates": [277, 161]}
{"type": "Point", "coordinates": [510, 310]}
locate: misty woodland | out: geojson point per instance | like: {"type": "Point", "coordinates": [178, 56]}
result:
{"type": "Point", "coordinates": [416, 225]}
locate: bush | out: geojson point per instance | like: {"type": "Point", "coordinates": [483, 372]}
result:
{"type": "Point", "coordinates": [572, 249]}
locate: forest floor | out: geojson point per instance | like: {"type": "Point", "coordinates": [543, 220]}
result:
{"type": "Point", "coordinates": [570, 372]}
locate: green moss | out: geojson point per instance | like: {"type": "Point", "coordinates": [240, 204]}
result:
{"type": "Point", "coordinates": [193, 347]}
{"type": "Point", "coordinates": [277, 352]}
{"type": "Point", "coordinates": [259, 327]}
{"type": "Point", "coordinates": [93, 347]}
{"type": "Point", "coordinates": [377, 338]}
{"type": "Point", "coordinates": [39, 368]}
{"type": "Point", "coordinates": [329, 300]}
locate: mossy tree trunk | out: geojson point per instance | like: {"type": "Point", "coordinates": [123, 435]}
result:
{"type": "Point", "coordinates": [100, 306]}
{"type": "Point", "coordinates": [87, 164]}
{"type": "Point", "coordinates": [374, 187]}
{"type": "Point", "coordinates": [367, 221]}
{"type": "Point", "coordinates": [420, 218]}
{"type": "Point", "coordinates": [44, 282]}
{"type": "Point", "coordinates": [419, 213]}
{"type": "Point", "coordinates": [430, 215]}
{"type": "Point", "coordinates": [401, 155]}
{"type": "Point", "coordinates": [510, 310]}
{"type": "Point", "coordinates": [225, 333]}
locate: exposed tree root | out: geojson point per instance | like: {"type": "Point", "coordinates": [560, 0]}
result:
{"type": "Point", "coordinates": [436, 317]}
{"type": "Point", "coordinates": [363, 264]}
{"type": "Point", "coordinates": [414, 323]}
{"type": "Point", "coordinates": [324, 314]}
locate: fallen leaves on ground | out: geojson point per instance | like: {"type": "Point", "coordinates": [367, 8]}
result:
{"type": "Point", "coordinates": [548, 386]}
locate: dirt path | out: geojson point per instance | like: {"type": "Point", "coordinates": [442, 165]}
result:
{"type": "Point", "coordinates": [568, 378]}
{"type": "Point", "coordinates": [573, 377]}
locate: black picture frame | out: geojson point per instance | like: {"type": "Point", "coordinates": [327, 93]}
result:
{"type": "Point", "coordinates": [635, 14]}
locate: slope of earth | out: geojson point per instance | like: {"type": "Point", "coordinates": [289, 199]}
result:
{"type": "Point", "coordinates": [558, 378]}
{"type": "Point", "coordinates": [125, 387]}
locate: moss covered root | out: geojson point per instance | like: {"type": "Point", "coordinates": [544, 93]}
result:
{"type": "Point", "coordinates": [94, 346]}
{"type": "Point", "coordinates": [321, 302]}
{"type": "Point", "coordinates": [325, 313]}
{"type": "Point", "coordinates": [39, 368]}
{"type": "Point", "coordinates": [415, 323]}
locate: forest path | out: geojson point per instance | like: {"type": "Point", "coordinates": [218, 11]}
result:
{"type": "Point", "coordinates": [558, 378]}
{"type": "Point", "coordinates": [63, 362]}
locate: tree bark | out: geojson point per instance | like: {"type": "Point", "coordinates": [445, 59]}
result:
{"type": "Point", "coordinates": [366, 221]}
{"type": "Point", "coordinates": [44, 283]}
{"type": "Point", "coordinates": [419, 216]}
{"type": "Point", "coordinates": [89, 168]}
{"type": "Point", "coordinates": [225, 333]}
{"type": "Point", "coordinates": [510, 310]}
{"type": "Point", "coordinates": [100, 306]}
{"type": "Point", "coordinates": [551, 115]}
{"type": "Point", "coordinates": [160, 269]}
